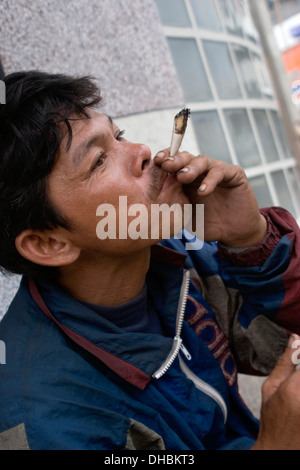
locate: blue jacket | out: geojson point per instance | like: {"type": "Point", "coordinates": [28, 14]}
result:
{"type": "Point", "coordinates": [73, 380]}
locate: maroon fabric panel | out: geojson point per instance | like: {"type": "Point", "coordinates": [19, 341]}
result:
{"type": "Point", "coordinates": [257, 255]}
{"type": "Point", "coordinates": [288, 315]}
{"type": "Point", "coordinates": [168, 255]}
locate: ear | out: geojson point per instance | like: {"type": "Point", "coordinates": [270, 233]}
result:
{"type": "Point", "coordinates": [48, 248]}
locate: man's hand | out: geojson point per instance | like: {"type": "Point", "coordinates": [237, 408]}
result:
{"type": "Point", "coordinates": [280, 411]}
{"type": "Point", "coordinates": [231, 212]}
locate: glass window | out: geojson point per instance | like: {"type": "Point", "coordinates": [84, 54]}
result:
{"type": "Point", "coordinates": [230, 13]}
{"type": "Point", "coordinates": [281, 134]}
{"type": "Point", "coordinates": [222, 70]}
{"type": "Point", "coordinates": [190, 69]}
{"type": "Point", "coordinates": [294, 176]}
{"type": "Point", "coordinates": [294, 182]}
{"type": "Point", "coordinates": [173, 13]}
{"type": "Point", "coordinates": [246, 21]}
{"type": "Point", "coordinates": [261, 190]}
{"type": "Point", "coordinates": [262, 75]}
{"type": "Point", "coordinates": [282, 191]}
{"type": "Point", "coordinates": [206, 15]}
{"type": "Point", "coordinates": [266, 136]}
{"type": "Point", "coordinates": [247, 71]}
{"type": "Point", "coordinates": [242, 137]}
{"type": "Point", "coordinates": [210, 136]}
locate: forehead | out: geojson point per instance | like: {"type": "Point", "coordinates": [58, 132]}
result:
{"type": "Point", "coordinates": [86, 132]}
{"type": "Point", "coordinates": [83, 127]}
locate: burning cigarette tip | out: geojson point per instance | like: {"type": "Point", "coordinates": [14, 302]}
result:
{"type": "Point", "coordinates": [184, 112]}
{"type": "Point", "coordinates": [180, 121]}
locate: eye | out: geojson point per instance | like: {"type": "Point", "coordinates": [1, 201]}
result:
{"type": "Point", "coordinates": [120, 135]}
{"type": "Point", "coordinates": [99, 161]}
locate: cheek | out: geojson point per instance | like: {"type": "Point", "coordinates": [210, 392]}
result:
{"type": "Point", "coordinates": [118, 190]}
{"type": "Point", "coordinates": [60, 191]}
{"type": "Point", "coordinates": [107, 199]}
{"type": "Point", "coordinates": [99, 215]}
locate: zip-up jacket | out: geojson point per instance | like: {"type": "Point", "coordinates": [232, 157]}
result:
{"type": "Point", "coordinates": [74, 380]}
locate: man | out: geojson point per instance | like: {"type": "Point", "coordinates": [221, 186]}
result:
{"type": "Point", "coordinates": [121, 343]}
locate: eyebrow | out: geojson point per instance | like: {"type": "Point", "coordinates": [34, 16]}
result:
{"type": "Point", "coordinates": [81, 150]}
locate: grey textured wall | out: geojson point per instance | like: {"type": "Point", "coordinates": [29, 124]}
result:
{"type": "Point", "coordinates": [120, 42]}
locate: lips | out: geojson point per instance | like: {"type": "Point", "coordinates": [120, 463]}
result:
{"type": "Point", "coordinates": [163, 177]}
{"type": "Point", "coordinates": [167, 180]}
{"type": "Point", "coordinates": [160, 180]}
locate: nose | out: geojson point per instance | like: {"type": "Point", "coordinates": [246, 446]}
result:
{"type": "Point", "coordinates": [138, 158]}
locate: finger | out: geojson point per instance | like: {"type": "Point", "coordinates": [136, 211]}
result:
{"type": "Point", "coordinates": [212, 172]}
{"type": "Point", "coordinates": [284, 368]}
{"type": "Point", "coordinates": [174, 163]}
{"type": "Point", "coordinates": [202, 171]}
{"type": "Point", "coordinates": [161, 155]}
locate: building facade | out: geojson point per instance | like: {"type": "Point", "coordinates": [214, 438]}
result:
{"type": "Point", "coordinates": [225, 81]}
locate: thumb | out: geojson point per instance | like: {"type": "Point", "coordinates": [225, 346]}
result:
{"type": "Point", "coordinates": [284, 368]}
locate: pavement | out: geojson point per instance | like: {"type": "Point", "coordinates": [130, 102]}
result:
{"type": "Point", "coordinates": [8, 287]}
{"type": "Point", "coordinates": [250, 390]}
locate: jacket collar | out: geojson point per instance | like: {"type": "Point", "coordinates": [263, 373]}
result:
{"type": "Point", "coordinates": [132, 356]}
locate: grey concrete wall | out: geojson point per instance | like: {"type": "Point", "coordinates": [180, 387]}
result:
{"type": "Point", "coordinates": [121, 42]}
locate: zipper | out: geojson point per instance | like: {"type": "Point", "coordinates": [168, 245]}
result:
{"type": "Point", "coordinates": [185, 352]}
{"type": "Point", "coordinates": [204, 387]}
{"type": "Point", "coordinates": [177, 346]}
{"type": "Point", "coordinates": [177, 342]}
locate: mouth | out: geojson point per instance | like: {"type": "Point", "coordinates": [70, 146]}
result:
{"type": "Point", "coordinates": [168, 179]}
{"type": "Point", "coordinates": [160, 181]}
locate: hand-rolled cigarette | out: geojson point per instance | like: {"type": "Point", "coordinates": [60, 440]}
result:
{"type": "Point", "coordinates": [180, 122]}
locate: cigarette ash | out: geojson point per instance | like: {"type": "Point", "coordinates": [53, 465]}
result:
{"type": "Point", "coordinates": [180, 121]}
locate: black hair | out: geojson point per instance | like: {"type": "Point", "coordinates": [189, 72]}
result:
{"type": "Point", "coordinates": [31, 130]}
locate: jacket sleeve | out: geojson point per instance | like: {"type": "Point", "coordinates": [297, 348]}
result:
{"type": "Point", "coordinates": [265, 281]}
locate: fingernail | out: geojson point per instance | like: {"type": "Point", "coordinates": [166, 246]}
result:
{"type": "Point", "coordinates": [171, 159]}
{"type": "Point", "coordinates": [202, 188]}
{"type": "Point", "coordinates": [183, 170]}
{"type": "Point", "coordinates": [160, 155]}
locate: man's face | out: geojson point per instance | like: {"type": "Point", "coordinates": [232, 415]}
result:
{"type": "Point", "coordinates": [100, 166]}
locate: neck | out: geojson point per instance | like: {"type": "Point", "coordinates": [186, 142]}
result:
{"type": "Point", "coordinates": [107, 282]}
